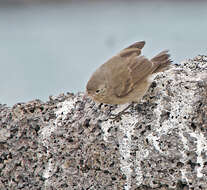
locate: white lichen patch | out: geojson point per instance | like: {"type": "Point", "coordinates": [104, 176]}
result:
{"type": "Point", "coordinates": [126, 126]}
{"type": "Point", "coordinates": [201, 147]}
{"type": "Point", "coordinates": [184, 141]}
{"type": "Point", "coordinates": [140, 155]}
{"type": "Point", "coordinates": [48, 172]}
{"type": "Point", "coordinates": [105, 126]}
{"type": "Point", "coordinates": [181, 106]}
{"type": "Point", "coordinates": [184, 156]}
{"type": "Point", "coordinates": [46, 132]}
{"type": "Point", "coordinates": [63, 109]}
{"type": "Point", "coordinates": [48, 169]}
{"type": "Point", "coordinates": [154, 141]}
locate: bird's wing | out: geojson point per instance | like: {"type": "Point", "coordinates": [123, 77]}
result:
{"type": "Point", "coordinates": [134, 49]}
{"type": "Point", "coordinates": [132, 71]}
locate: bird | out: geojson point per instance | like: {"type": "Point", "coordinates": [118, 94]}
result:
{"type": "Point", "coordinates": [127, 76]}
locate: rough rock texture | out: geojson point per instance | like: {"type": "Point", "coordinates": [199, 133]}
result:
{"type": "Point", "coordinates": [70, 142]}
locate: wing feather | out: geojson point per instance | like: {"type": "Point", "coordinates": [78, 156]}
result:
{"type": "Point", "coordinates": [132, 50]}
{"type": "Point", "coordinates": [136, 70]}
{"type": "Point", "coordinates": [127, 68]}
{"type": "Point", "coordinates": [138, 45]}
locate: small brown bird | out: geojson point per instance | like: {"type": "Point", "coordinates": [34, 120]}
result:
{"type": "Point", "coordinates": [125, 78]}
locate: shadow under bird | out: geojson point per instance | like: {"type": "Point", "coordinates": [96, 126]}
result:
{"type": "Point", "coordinates": [126, 77]}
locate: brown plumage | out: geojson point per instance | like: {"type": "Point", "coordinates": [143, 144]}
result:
{"type": "Point", "coordinates": [126, 77]}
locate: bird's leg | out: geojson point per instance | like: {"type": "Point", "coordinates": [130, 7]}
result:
{"type": "Point", "coordinates": [122, 112]}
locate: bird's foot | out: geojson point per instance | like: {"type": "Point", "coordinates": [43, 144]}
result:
{"type": "Point", "coordinates": [117, 117]}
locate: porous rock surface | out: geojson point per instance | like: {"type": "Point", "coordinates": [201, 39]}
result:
{"type": "Point", "coordinates": [70, 142]}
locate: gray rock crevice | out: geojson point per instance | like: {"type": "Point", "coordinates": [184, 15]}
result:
{"type": "Point", "coordinates": [71, 142]}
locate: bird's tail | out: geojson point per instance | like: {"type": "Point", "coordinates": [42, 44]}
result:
{"type": "Point", "coordinates": [161, 61]}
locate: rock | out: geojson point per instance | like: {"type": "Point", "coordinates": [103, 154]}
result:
{"type": "Point", "coordinates": [70, 142]}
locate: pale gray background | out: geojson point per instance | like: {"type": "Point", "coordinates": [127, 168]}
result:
{"type": "Point", "coordinates": [51, 48]}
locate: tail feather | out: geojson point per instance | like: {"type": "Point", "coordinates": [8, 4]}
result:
{"type": "Point", "coordinates": [161, 61]}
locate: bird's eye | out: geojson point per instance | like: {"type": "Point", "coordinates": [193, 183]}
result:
{"type": "Point", "coordinates": [97, 91]}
